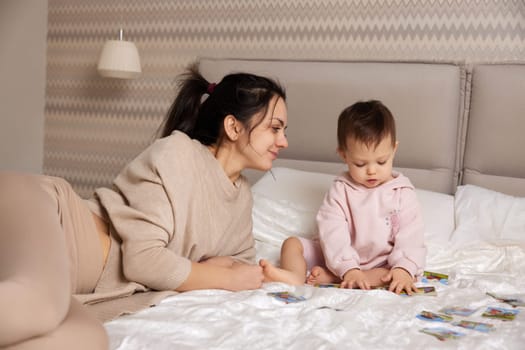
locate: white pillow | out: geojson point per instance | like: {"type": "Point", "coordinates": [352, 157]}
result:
{"type": "Point", "coordinates": [438, 215]}
{"type": "Point", "coordinates": [486, 215]}
{"type": "Point", "coordinates": [286, 204]}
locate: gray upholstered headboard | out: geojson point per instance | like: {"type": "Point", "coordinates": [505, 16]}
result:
{"type": "Point", "coordinates": [495, 139]}
{"type": "Point", "coordinates": [456, 124]}
{"type": "Point", "coordinates": [426, 99]}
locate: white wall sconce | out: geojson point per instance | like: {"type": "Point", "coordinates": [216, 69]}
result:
{"type": "Point", "coordinates": [119, 59]}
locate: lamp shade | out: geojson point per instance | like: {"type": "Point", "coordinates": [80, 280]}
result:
{"type": "Point", "coordinates": [119, 59]}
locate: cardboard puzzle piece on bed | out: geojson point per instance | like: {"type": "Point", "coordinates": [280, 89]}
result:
{"type": "Point", "coordinates": [511, 299]}
{"type": "Point", "coordinates": [425, 290]}
{"type": "Point", "coordinates": [429, 276]}
{"type": "Point", "coordinates": [287, 297]}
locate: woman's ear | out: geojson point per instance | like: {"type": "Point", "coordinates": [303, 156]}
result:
{"type": "Point", "coordinates": [232, 127]}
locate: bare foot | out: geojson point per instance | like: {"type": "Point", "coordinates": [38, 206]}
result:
{"type": "Point", "coordinates": [320, 275]}
{"type": "Point", "coordinates": [276, 274]}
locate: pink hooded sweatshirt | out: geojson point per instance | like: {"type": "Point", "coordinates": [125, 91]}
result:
{"type": "Point", "coordinates": [363, 228]}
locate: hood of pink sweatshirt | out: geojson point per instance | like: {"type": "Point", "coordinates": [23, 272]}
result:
{"type": "Point", "coordinates": [398, 181]}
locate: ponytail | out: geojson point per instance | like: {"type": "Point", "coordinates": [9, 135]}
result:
{"type": "Point", "coordinates": [184, 111]}
{"type": "Point", "coordinates": [242, 95]}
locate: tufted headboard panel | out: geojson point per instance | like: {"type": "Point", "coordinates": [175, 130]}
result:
{"type": "Point", "coordinates": [495, 140]}
{"type": "Point", "coordinates": [425, 98]}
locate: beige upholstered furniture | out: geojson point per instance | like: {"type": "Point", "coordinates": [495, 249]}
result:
{"type": "Point", "coordinates": [456, 124]}
{"type": "Point", "coordinates": [495, 138]}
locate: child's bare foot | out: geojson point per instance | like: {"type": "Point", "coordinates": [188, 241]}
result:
{"type": "Point", "coordinates": [275, 274]}
{"type": "Point", "coordinates": [320, 275]}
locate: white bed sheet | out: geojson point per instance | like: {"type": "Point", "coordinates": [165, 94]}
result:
{"type": "Point", "coordinates": [216, 319]}
{"type": "Point", "coordinates": [341, 318]}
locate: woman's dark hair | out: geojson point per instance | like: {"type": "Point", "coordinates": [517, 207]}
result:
{"type": "Point", "coordinates": [242, 95]}
{"type": "Point", "coordinates": [366, 121]}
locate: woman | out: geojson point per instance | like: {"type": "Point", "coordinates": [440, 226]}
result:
{"type": "Point", "coordinates": [177, 218]}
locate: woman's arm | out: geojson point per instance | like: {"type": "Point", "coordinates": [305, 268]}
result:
{"type": "Point", "coordinates": [208, 275]}
{"type": "Point", "coordinates": [150, 210]}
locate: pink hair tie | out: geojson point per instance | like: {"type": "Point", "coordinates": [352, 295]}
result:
{"type": "Point", "coordinates": [211, 87]}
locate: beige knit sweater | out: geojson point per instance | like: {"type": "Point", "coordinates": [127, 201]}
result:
{"type": "Point", "coordinates": [172, 205]}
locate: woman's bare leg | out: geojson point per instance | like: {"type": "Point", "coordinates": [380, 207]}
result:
{"type": "Point", "coordinates": [293, 265]}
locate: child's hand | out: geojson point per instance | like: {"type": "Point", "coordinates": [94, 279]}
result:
{"type": "Point", "coordinates": [355, 278]}
{"type": "Point", "coordinates": [400, 280]}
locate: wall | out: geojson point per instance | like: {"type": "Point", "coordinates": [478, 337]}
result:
{"type": "Point", "coordinates": [95, 125]}
{"type": "Point", "coordinates": [23, 28]}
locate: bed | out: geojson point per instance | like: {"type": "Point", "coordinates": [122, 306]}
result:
{"type": "Point", "coordinates": [460, 130]}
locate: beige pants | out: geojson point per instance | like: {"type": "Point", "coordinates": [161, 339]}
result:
{"type": "Point", "coordinates": [49, 250]}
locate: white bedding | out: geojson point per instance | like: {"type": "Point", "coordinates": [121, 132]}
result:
{"type": "Point", "coordinates": [492, 259]}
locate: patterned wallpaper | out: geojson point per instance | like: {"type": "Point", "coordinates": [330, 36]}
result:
{"type": "Point", "coordinates": [95, 125]}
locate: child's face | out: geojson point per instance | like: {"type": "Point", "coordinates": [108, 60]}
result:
{"type": "Point", "coordinates": [369, 166]}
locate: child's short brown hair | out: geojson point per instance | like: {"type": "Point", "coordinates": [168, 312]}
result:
{"type": "Point", "coordinates": [365, 121]}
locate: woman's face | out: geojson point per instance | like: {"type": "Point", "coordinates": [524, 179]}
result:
{"type": "Point", "coordinates": [262, 145]}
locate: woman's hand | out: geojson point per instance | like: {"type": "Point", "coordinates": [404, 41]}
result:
{"type": "Point", "coordinates": [400, 280]}
{"type": "Point", "coordinates": [225, 261]}
{"type": "Point", "coordinates": [213, 274]}
{"type": "Point", "coordinates": [246, 276]}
